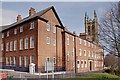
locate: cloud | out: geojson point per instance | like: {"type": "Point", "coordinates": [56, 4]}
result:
{"type": "Point", "coordinates": [7, 16]}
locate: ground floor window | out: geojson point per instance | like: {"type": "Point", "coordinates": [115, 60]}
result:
{"type": "Point", "coordinates": [14, 60]}
{"type": "Point", "coordinates": [20, 61]}
{"type": "Point", "coordinates": [54, 60]}
{"type": "Point", "coordinates": [48, 59]}
{"type": "Point", "coordinates": [10, 60]}
{"type": "Point", "coordinates": [82, 63]}
{"type": "Point", "coordinates": [6, 60]}
{"type": "Point", "coordinates": [32, 59]}
{"type": "Point", "coordinates": [85, 62]}
{"type": "Point", "coordinates": [78, 64]}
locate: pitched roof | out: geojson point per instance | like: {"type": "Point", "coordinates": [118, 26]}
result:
{"type": "Point", "coordinates": [38, 14]}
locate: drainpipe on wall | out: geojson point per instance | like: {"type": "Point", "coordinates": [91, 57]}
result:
{"type": "Point", "coordinates": [75, 52]}
{"type": "Point", "coordinates": [56, 50]}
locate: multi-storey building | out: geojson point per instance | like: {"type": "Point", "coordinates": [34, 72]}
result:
{"type": "Point", "coordinates": [41, 37]}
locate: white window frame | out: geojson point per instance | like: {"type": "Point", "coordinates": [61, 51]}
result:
{"type": "Point", "coordinates": [48, 27]}
{"type": "Point", "coordinates": [32, 41]}
{"type": "Point", "coordinates": [25, 61]}
{"type": "Point", "coordinates": [95, 55]}
{"type": "Point", "coordinates": [67, 39]}
{"type": "Point", "coordinates": [14, 59]}
{"type": "Point", "coordinates": [15, 45]}
{"type": "Point", "coordinates": [54, 29]}
{"type": "Point", "coordinates": [15, 31]}
{"type": "Point", "coordinates": [84, 42]}
{"type": "Point", "coordinates": [73, 62]}
{"type": "Point", "coordinates": [82, 64]}
{"type": "Point", "coordinates": [11, 45]}
{"type": "Point", "coordinates": [21, 28]}
{"type": "Point", "coordinates": [10, 60]}
{"type": "Point", "coordinates": [21, 44]}
{"type": "Point", "coordinates": [48, 59]}
{"type": "Point", "coordinates": [6, 60]}
{"type": "Point", "coordinates": [73, 52]}
{"type": "Point", "coordinates": [88, 44]}
{"type": "Point", "coordinates": [85, 53]}
{"type": "Point", "coordinates": [95, 64]}
{"type": "Point", "coordinates": [54, 60]}
{"type": "Point", "coordinates": [80, 41]}
{"type": "Point", "coordinates": [92, 54]}
{"type": "Point", "coordinates": [47, 40]}
{"type": "Point", "coordinates": [8, 33]}
{"type": "Point", "coordinates": [2, 46]}
{"type": "Point", "coordinates": [54, 42]}
{"type": "Point", "coordinates": [68, 56]}
{"type": "Point", "coordinates": [73, 38]}
{"type": "Point", "coordinates": [80, 52]}
{"type": "Point", "coordinates": [32, 25]}
{"type": "Point", "coordinates": [86, 63]}
{"type": "Point", "coordinates": [32, 59]}
{"type": "Point", "coordinates": [20, 61]}
{"type": "Point", "coordinates": [7, 46]}
{"type": "Point", "coordinates": [88, 53]}
{"type": "Point", "coordinates": [26, 43]}
{"type": "Point", "coordinates": [2, 35]}
{"type": "Point", "coordinates": [78, 65]}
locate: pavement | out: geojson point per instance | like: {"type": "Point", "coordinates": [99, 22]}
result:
{"type": "Point", "coordinates": [18, 74]}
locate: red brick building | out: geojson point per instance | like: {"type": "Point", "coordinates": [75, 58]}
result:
{"type": "Point", "coordinates": [41, 37]}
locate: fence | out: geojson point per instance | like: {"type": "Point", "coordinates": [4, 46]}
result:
{"type": "Point", "coordinates": [39, 76]}
{"type": "Point", "coordinates": [25, 75]}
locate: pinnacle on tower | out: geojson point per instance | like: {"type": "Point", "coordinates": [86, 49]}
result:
{"type": "Point", "coordinates": [95, 15]}
{"type": "Point", "coordinates": [85, 14]}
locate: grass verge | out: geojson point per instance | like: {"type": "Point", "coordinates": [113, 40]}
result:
{"type": "Point", "coordinates": [96, 76]}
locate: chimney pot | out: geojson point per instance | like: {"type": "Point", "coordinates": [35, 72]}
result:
{"type": "Point", "coordinates": [32, 11]}
{"type": "Point", "coordinates": [19, 18]}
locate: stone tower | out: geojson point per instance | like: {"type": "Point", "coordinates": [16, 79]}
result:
{"type": "Point", "coordinates": [91, 28]}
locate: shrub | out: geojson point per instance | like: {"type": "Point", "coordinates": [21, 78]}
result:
{"type": "Point", "coordinates": [107, 70]}
{"type": "Point", "coordinates": [117, 72]}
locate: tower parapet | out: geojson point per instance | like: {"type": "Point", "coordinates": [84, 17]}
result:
{"type": "Point", "coordinates": [91, 28]}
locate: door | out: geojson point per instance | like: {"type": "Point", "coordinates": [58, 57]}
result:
{"type": "Point", "coordinates": [90, 65]}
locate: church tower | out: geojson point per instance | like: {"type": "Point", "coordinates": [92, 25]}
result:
{"type": "Point", "coordinates": [91, 28]}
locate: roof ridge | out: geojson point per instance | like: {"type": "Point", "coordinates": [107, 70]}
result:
{"type": "Point", "coordinates": [27, 18]}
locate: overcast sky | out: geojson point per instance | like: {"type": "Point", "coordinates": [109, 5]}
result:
{"type": "Point", "coordinates": [70, 13]}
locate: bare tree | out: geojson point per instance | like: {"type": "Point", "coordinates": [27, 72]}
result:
{"type": "Point", "coordinates": [111, 61]}
{"type": "Point", "coordinates": [110, 30]}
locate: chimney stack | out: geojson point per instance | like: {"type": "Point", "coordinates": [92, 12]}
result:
{"type": "Point", "coordinates": [19, 18]}
{"type": "Point", "coordinates": [32, 11]}
{"type": "Point", "coordinates": [74, 32]}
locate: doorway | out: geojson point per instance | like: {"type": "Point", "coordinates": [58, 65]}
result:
{"type": "Point", "coordinates": [90, 65]}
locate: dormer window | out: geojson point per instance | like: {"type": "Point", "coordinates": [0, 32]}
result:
{"type": "Point", "coordinates": [7, 33]}
{"type": "Point", "coordinates": [21, 28]}
{"type": "Point", "coordinates": [32, 25]}
{"type": "Point", "coordinates": [15, 31]}
{"type": "Point", "coordinates": [73, 38]}
{"type": "Point", "coordinates": [2, 35]}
